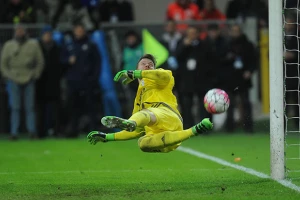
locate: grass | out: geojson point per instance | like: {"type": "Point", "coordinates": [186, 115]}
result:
{"type": "Point", "coordinates": [73, 169]}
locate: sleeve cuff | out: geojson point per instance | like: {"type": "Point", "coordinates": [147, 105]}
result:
{"type": "Point", "coordinates": [137, 73]}
{"type": "Point", "coordinates": [110, 137]}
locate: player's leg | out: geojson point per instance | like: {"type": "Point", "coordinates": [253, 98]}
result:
{"type": "Point", "coordinates": [139, 119]}
{"type": "Point", "coordinates": [15, 104]}
{"type": "Point", "coordinates": [160, 141]}
{"type": "Point", "coordinates": [29, 103]}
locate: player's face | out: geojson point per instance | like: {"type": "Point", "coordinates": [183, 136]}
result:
{"type": "Point", "coordinates": [131, 40]}
{"type": "Point", "coordinates": [79, 32]}
{"type": "Point", "coordinates": [235, 32]}
{"type": "Point", "coordinates": [170, 27]}
{"type": "Point", "coordinates": [47, 37]}
{"type": "Point", "coordinates": [145, 64]}
{"type": "Point", "coordinates": [214, 34]}
{"type": "Point", "coordinates": [20, 32]}
{"type": "Point", "coordinates": [192, 33]}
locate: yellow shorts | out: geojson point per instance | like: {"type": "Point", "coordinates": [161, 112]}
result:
{"type": "Point", "coordinates": [167, 120]}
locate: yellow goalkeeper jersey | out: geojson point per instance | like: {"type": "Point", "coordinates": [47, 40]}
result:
{"type": "Point", "coordinates": [156, 89]}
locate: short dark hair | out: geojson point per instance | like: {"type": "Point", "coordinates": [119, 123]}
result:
{"type": "Point", "coordinates": [150, 57]}
{"type": "Point", "coordinates": [171, 21]}
{"type": "Point", "coordinates": [78, 24]}
{"type": "Point", "coordinates": [20, 25]}
{"type": "Point", "coordinates": [193, 27]}
{"type": "Point", "coordinates": [131, 33]}
{"type": "Point", "coordinates": [237, 25]}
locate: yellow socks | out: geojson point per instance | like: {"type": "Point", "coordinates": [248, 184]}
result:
{"type": "Point", "coordinates": [125, 135]}
{"type": "Point", "coordinates": [164, 139]}
{"type": "Point", "coordinates": [142, 118]}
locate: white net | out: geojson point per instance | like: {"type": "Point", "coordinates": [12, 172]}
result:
{"type": "Point", "coordinates": [291, 87]}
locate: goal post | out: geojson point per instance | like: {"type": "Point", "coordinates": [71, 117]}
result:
{"type": "Point", "coordinates": [277, 140]}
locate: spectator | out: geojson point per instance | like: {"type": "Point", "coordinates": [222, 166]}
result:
{"type": "Point", "coordinates": [83, 59]}
{"type": "Point", "coordinates": [17, 11]}
{"type": "Point", "coordinates": [183, 10]}
{"type": "Point", "coordinates": [291, 56]}
{"type": "Point", "coordinates": [194, 75]}
{"type": "Point", "coordinates": [210, 12]}
{"type": "Point", "coordinates": [171, 37]}
{"type": "Point", "coordinates": [217, 48]}
{"type": "Point", "coordinates": [116, 11]}
{"type": "Point", "coordinates": [242, 60]}
{"type": "Point", "coordinates": [21, 64]}
{"type": "Point", "coordinates": [80, 11]}
{"type": "Point", "coordinates": [241, 9]}
{"type": "Point", "coordinates": [48, 86]}
{"type": "Point", "coordinates": [170, 40]}
{"type": "Point", "coordinates": [132, 52]}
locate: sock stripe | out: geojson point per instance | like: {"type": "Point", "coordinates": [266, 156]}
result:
{"type": "Point", "coordinates": [201, 128]}
{"type": "Point", "coordinates": [198, 129]}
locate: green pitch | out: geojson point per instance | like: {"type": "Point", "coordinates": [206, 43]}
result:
{"type": "Point", "coordinates": [74, 169]}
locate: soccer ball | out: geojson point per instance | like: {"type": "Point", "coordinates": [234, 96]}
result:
{"type": "Point", "coordinates": [216, 101]}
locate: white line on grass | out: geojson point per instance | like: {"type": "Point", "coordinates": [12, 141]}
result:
{"type": "Point", "coordinates": [220, 161]}
{"type": "Point", "coordinates": [106, 171]}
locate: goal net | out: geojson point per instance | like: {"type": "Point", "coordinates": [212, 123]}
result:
{"type": "Point", "coordinates": [291, 77]}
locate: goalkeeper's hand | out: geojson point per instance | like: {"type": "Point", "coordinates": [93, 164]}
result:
{"type": "Point", "coordinates": [128, 76]}
{"type": "Point", "coordinates": [96, 136]}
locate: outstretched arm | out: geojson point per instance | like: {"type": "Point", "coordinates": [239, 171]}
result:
{"type": "Point", "coordinates": [96, 136]}
{"type": "Point", "coordinates": [161, 77]}
{"type": "Point", "coordinates": [126, 135]}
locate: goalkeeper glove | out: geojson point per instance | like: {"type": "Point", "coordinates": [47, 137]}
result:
{"type": "Point", "coordinates": [96, 136]}
{"type": "Point", "coordinates": [128, 75]}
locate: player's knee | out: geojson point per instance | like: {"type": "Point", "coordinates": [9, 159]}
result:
{"type": "Point", "coordinates": [150, 115]}
{"type": "Point", "coordinates": [144, 142]}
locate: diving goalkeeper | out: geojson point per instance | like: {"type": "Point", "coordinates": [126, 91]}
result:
{"type": "Point", "coordinates": [155, 119]}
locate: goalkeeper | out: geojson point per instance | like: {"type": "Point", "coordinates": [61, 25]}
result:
{"type": "Point", "coordinates": [155, 119]}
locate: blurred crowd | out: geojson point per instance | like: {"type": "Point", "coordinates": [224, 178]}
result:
{"type": "Point", "coordinates": [93, 12]}
{"type": "Point", "coordinates": [213, 62]}
{"type": "Point", "coordinates": [55, 89]}
{"type": "Point", "coordinates": [89, 12]}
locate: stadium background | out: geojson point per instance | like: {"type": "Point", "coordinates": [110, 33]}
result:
{"type": "Point", "coordinates": [155, 24]}
{"type": "Point", "coordinates": [218, 165]}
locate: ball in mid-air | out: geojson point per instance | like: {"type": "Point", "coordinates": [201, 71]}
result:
{"type": "Point", "coordinates": [216, 101]}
